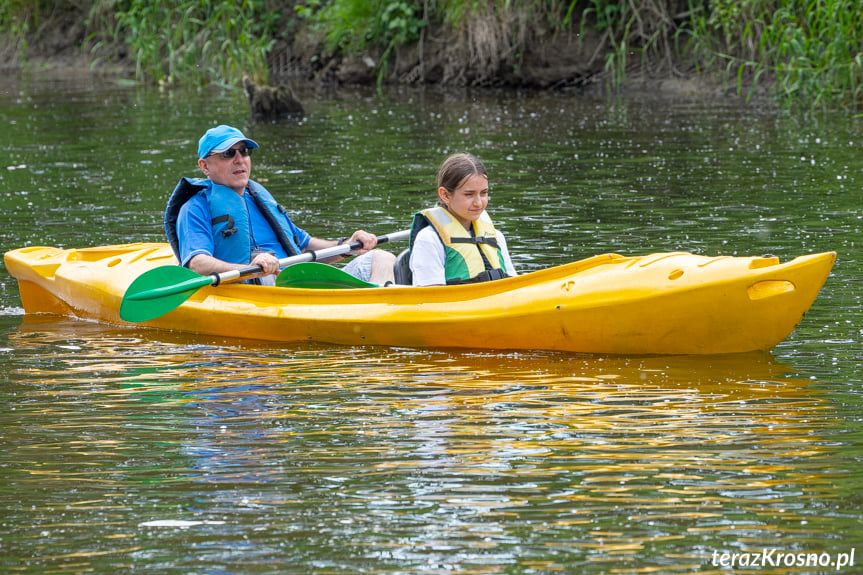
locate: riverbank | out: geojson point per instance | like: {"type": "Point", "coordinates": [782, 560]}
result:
{"type": "Point", "coordinates": [800, 57]}
{"type": "Point", "coordinates": [568, 61]}
{"type": "Point", "coordinates": [564, 64]}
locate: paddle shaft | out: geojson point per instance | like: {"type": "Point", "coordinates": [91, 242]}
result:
{"type": "Point", "coordinates": [322, 254]}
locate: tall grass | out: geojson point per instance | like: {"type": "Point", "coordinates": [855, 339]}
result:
{"type": "Point", "coordinates": [170, 41]}
{"type": "Point", "coordinates": [641, 34]}
{"type": "Point", "coordinates": [18, 21]}
{"type": "Point", "coordinates": [353, 26]}
{"type": "Point", "coordinates": [191, 41]}
{"type": "Point", "coordinates": [809, 51]}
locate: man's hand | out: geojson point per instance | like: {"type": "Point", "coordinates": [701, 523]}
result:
{"type": "Point", "coordinates": [368, 240]}
{"type": "Point", "coordinates": [268, 262]}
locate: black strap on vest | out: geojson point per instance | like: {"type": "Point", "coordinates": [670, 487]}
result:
{"type": "Point", "coordinates": [228, 231]}
{"type": "Point", "coordinates": [486, 276]}
{"type": "Point", "coordinates": [476, 241]}
{"type": "Point", "coordinates": [277, 228]}
{"type": "Point", "coordinates": [490, 273]}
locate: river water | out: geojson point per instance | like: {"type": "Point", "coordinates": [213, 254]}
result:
{"type": "Point", "coordinates": [127, 449]}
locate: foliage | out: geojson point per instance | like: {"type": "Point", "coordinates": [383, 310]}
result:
{"type": "Point", "coordinates": [15, 21]}
{"type": "Point", "coordinates": [21, 15]}
{"type": "Point", "coordinates": [811, 49]}
{"type": "Point", "coordinates": [20, 19]}
{"type": "Point", "coordinates": [613, 19]}
{"type": "Point", "coordinates": [646, 28]}
{"type": "Point", "coordinates": [194, 41]}
{"type": "Point", "coordinates": [356, 25]}
{"type": "Point", "coordinates": [485, 38]}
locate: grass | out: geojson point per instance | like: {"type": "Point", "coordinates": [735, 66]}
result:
{"type": "Point", "coordinates": [170, 42]}
{"type": "Point", "coordinates": [810, 51]}
{"type": "Point", "coordinates": [355, 26]}
{"type": "Point", "coordinates": [193, 41]}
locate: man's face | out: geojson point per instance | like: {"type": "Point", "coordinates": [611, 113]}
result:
{"type": "Point", "coordinates": [232, 172]}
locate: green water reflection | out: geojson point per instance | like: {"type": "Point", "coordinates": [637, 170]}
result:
{"type": "Point", "coordinates": [133, 449]}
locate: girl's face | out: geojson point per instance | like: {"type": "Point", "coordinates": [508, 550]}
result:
{"type": "Point", "coordinates": [468, 200]}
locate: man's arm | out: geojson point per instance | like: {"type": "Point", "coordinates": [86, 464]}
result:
{"type": "Point", "coordinates": [205, 264]}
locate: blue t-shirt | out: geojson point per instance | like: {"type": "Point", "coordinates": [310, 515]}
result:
{"type": "Point", "coordinates": [195, 231]}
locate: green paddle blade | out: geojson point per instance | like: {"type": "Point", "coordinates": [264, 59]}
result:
{"type": "Point", "coordinates": [158, 291]}
{"type": "Point", "coordinates": [313, 275]}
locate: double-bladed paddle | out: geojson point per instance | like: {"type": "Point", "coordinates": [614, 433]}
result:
{"type": "Point", "coordinates": [160, 290]}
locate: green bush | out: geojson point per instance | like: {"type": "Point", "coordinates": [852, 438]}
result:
{"type": "Point", "coordinates": [352, 26]}
{"type": "Point", "coordinates": [19, 19]}
{"type": "Point", "coordinates": [195, 41]}
{"type": "Point", "coordinates": [812, 50]}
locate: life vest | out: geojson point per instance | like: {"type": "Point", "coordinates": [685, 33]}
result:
{"type": "Point", "coordinates": [232, 240]}
{"type": "Point", "coordinates": [470, 257]}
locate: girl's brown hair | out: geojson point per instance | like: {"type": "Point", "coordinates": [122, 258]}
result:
{"type": "Point", "coordinates": [456, 168]}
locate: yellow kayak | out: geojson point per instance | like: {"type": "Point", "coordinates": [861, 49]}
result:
{"type": "Point", "coordinates": [663, 303]}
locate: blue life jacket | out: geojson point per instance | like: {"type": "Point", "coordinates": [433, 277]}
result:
{"type": "Point", "coordinates": [232, 238]}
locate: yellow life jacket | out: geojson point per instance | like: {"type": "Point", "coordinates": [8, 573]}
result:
{"type": "Point", "coordinates": [470, 257]}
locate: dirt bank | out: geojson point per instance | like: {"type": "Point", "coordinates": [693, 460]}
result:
{"type": "Point", "coordinates": [562, 61]}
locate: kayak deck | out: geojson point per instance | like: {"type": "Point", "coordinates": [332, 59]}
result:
{"type": "Point", "coordinates": [664, 303]}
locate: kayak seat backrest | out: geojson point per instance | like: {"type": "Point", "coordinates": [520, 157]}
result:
{"type": "Point", "coordinates": [402, 268]}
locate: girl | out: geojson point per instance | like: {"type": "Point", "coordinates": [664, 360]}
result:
{"type": "Point", "coordinates": [455, 242]}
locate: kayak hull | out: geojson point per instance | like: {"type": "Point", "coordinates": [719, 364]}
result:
{"type": "Point", "coordinates": [664, 303]}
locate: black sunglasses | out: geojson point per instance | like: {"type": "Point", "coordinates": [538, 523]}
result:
{"type": "Point", "coordinates": [230, 152]}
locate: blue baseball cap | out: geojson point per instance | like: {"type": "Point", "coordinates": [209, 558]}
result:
{"type": "Point", "coordinates": [221, 138]}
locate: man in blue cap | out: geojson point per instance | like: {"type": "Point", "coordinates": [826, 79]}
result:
{"type": "Point", "coordinates": [227, 221]}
